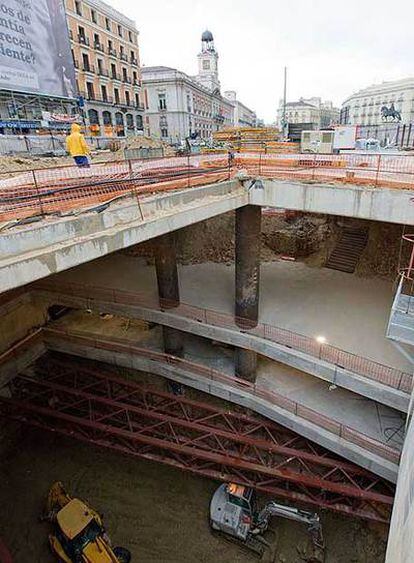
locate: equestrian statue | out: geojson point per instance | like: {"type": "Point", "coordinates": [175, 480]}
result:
{"type": "Point", "coordinates": [390, 112]}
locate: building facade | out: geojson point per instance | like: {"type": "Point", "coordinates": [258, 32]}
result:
{"type": "Point", "coordinates": [243, 116]}
{"type": "Point", "coordinates": [311, 111]}
{"type": "Point", "coordinates": [178, 106]}
{"type": "Point", "coordinates": [106, 57]}
{"type": "Point", "coordinates": [365, 107]}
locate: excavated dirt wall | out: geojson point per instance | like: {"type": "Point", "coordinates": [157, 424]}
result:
{"type": "Point", "coordinates": [307, 237]}
{"type": "Point", "coordinates": [289, 234]}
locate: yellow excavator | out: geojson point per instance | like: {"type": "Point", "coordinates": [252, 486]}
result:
{"type": "Point", "coordinates": [78, 533]}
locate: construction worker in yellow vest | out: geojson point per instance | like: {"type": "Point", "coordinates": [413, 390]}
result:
{"type": "Point", "coordinates": [77, 147]}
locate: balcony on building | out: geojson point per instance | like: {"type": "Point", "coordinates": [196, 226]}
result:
{"type": "Point", "coordinates": [99, 47]}
{"type": "Point", "coordinates": [88, 68]}
{"type": "Point", "coordinates": [112, 52]}
{"type": "Point", "coordinates": [92, 97]}
{"type": "Point", "coordinates": [103, 72]}
{"type": "Point", "coordinates": [123, 57]}
{"type": "Point", "coordinates": [134, 61]}
{"type": "Point", "coordinates": [83, 40]}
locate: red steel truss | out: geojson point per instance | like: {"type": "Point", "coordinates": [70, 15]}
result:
{"type": "Point", "coordinates": [85, 400]}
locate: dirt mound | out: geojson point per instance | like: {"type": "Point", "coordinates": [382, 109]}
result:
{"type": "Point", "coordinates": [141, 142]}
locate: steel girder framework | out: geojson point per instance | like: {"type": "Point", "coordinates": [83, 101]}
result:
{"type": "Point", "coordinates": [87, 401]}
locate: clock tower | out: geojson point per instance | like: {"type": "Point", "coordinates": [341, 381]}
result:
{"type": "Point", "coordinates": [208, 63]}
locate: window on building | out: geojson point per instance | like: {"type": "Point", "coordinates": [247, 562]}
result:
{"type": "Point", "coordinates": [137, 102]}
{"type": "Point", "coordinates": [140, 125]}
{"type": "Point", "coordinates": [113, 70]}
{"type": "Point", "coordinates": [127, 98]}
{"type": "Point", "coordinates": [206, 65]}
{"type": "Point", "coordinates": [133, 56]}
{"type": "Point", "coordinates": [162, 101]}
{"type": "Point", "coordinates": [108, 24]}
{"type": "Point", "coordinates": [94, 17]}
{"type": "Point", "coordinates": [164, 132]}
{"type": "Point", "coordinates": [78, 8]}
{"type": "Point", "coordinates": [90, 91]}
{"type": "Point", "coordinates": [129, 121]}
{"type": "Point", "coordinates": [130, 36]}
{"type": "Point", "coordinates": [81, 31]}
{"type": "Point", "coordinates": [85, 62]}
{"type": "Point", "coordinates": [124, 74]}
{"type": "Point", "coordinates": [116, 94]}
{"type": "Point", "coordinates": [107, 118]}
{"type": "Point", "coordinates": [100, 66]}
{"type": "Point", "coordinates": [119, 30]}
{"type": "Point", "coordinates": [134, 77]}
{"type": "Point", "coordinates": [104, 93]}
{"type": "Point", "coordinates": [93, 117]}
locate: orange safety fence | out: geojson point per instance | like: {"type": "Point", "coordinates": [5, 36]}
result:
{"type": "Point", "coordinates": [342, 360]}
{"type": "Point", "coordinates": [26, 194]}
{"type": "Point", "coordinates": [301, 411]}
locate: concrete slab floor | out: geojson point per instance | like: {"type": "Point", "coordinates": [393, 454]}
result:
{"type": "Point", "coordinates": [349, 311]}
{"type": "Point", "coordinates": [367, 416]}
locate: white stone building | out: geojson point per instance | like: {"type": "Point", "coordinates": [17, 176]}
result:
{"type": "Point", "coordinates": [243, 116]}
{"type": "Point", "coordinates": [178, 105]}
{"type": "Point", "coordinates": [364, 107]}
{"type": "Point", "coordinates": [312, 111]}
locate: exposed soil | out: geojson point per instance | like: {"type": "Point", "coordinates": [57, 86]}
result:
{"type": "Point", "coordinates": [385, 252]}
{"type": "Point", "coordinates": [20, 163]}
{"type": "Point", "coordinates": [159, 513]}
{"type": "Point", "coordinates": [290, 235]}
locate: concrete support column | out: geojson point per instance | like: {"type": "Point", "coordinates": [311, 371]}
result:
{"type": "Point", "coordinates": [168, 289]}
{"type": "Point", "coordinates": [248, 242]}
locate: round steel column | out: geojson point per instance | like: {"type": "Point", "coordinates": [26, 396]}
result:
{"type": "Point", "coordinates": [168, 289]}
{"type": "Point", "coordinates": [248, 242]}
{"type": "Point", "coordinates": [245, 364]}
{"type": "Point", "coordinates": [248, 231]}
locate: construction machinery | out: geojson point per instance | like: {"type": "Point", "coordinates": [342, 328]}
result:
{"type": "Point", "coordinates": [234, 513]}
{"type": "Point", "coordinates": [78, 533]}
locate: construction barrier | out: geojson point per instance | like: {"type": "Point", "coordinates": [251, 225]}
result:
{"type": "Point", "coordinates": [55, 190]}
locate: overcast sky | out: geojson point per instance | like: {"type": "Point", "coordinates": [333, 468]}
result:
{"type": "Point", "coordinates": [331, 48]}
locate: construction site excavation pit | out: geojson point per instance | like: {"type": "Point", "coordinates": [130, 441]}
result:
{"type": "Point", "coordinates": [160, 513]}
{"type": "Point", "coordinates": [137, 400]}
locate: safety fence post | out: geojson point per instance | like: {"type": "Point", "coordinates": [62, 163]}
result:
{"type": "Point", "coordinates": [378, 170]}
{"type": "Point", "coordinates": [38, 193]}
{"type": "Point", "coordinates": [314, 166]}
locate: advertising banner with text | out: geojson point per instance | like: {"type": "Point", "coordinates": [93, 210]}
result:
{"type": "Point", "coordinates": [35, 54]}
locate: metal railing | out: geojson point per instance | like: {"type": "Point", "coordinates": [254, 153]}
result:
{"type": "Point", "coordinates": [342, 360]}
{"type": "Point", "coordinates": [293, 407]}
